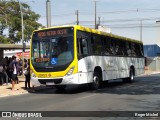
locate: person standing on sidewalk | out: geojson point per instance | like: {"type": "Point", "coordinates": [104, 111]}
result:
{"type": "Point", "coordinates": [9, 72]}
{"type": "Point", "coordinates": [1, 74]}
{"type": "Point", "coordinates": [13, 67]}
{"type": "Point", "coordinates": [27, 75]}
{"type": "Point", "coordinates": [4, 64]}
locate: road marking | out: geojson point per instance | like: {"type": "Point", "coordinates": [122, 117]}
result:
{"type": "Point", "coordinates": [86, 96]}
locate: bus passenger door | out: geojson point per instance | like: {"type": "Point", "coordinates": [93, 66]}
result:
{"type": "Point", "coordinates": [84, 61]}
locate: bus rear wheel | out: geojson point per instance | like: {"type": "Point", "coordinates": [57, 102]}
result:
{"type": "Point", "coordinates": [131, 76]}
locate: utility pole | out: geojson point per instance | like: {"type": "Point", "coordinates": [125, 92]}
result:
{"type": "Point", "coordinates": [95, 13]}
{"type": "Point", "coordinates": [141, 30]}
{"type": "Point", "coordinates": [99, 20]}
{"type": "Point", "coordinates": [158, 29]}
{"type": "Point", "coordinates": [23, 43]}
{"type": "Point", "coordinates": [48, 12]}
{"type": "Point", "coordinates": [77, 14]}
{"type": "Point", "coordinates": [21, 22]}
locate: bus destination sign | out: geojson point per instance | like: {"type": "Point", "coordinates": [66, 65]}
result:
{"type": "Point", "coordinates": [52, 32]}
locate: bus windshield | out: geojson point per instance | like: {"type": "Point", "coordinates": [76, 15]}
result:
{"type": "Point", "coordinates": [52, 48]}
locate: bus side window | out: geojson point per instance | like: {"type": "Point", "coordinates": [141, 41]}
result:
{"type": "Point", "coordinates": [96, 42]}
{"type": "Point", "coordinates": [137, 49]}
{"type": "Point", "coordinates": [128, 49]}
{"type": "Point", "coordinates": [82, 43]}
{"type": "Point", "coordinates": [107, 46]}
{"type": "Point", "coordinates": [141, 50]}
{"type": "Point", "coordinates": [78, 47]}
{"type": "Point", "coordinates": [83, 46]}
{"type": "Point", "coordinates": [133, 49]}
{"type": "Point", "coordinates": [123, 48]}
{"type": "Point", "coordinates": [119, 48]}
{"type": "Point", "coordinates": [112, 46]}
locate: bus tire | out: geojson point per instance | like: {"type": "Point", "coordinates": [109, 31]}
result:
{"type": "Point", "coordinates": [130, 79]}
{"type": "Point", "coordinates": [97, 82]}
{"type": "Point", "coordinates": [60, 87]}
{"type": "Point", "coordinates": [131, 75]}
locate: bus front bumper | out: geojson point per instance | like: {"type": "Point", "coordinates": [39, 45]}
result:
{"type": "Point", "coordinates": [66, 80]}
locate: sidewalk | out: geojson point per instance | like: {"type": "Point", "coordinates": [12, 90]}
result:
{"type": "Point", "coordinates": [149, 72]}
{"type": "Point", "coordinates": [6, 90]}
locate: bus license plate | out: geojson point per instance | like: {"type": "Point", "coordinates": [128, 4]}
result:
{"type": "Point", "coordinates": [42, 75]}
{"type": "Point", "coordinates": [50, 83]}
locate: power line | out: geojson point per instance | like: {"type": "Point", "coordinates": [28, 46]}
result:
{"type": "Point", "coordinates": [127, 20]}
{"type": "Point", "coordinates": [120, 26]}
{"type": "Point", "coordinates": [105, 12]}
{"type": "Point", "coordinates": [70, 23]}
{"type": "Point", "coordinates": [124, 27]}
{"type": "Point", "coordinates": [61, 15]}
{"type": "Point", "coordinates": [122, 11]}
{"type": "Point", "coordinates": [129, 11]}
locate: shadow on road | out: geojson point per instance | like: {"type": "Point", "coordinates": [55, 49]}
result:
{"type": "Point", "coordinates": [140, 86]}
{"type": "Point", "coordinates": [70, 89]}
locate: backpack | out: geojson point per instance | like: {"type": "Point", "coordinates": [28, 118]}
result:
{"type": "Point", "coordinates": [11, 67]}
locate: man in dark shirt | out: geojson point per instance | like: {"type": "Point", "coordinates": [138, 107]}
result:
{"type": "Point", "coordinates": [13, 67]}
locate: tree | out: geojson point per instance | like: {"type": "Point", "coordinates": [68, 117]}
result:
{"type": "Point", "coordinates": [10, 21]}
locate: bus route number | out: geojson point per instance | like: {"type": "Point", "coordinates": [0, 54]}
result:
{"type": "Point", "coordinates": [38, 60]}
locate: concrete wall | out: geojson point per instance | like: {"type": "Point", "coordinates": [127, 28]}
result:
{"type": "Point", "coordinates": [154, 64]}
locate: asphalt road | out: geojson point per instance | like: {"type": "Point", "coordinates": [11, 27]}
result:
{"type": "Point", "coordinates": [141, 95]}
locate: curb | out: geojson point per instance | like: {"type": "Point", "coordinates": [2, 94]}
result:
{"type": "Point", "coordinates": [151, 73]}
{"type": "Point", "coordinates": [13, 94]}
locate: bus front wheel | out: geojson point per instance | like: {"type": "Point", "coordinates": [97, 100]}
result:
{"type": "Point", "coordinates": [97, 82]}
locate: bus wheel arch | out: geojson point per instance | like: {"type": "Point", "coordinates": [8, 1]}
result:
{"type": "Point", "coordinates": [97, 78]}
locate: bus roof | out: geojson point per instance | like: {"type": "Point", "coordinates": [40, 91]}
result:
{"type": "Point", "coordinates": [104, 33]}
{"type": "Point", "coordinates": [87, 29]}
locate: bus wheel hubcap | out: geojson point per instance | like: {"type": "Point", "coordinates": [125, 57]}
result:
{"type": "Point", "coordinates": [95, 80]}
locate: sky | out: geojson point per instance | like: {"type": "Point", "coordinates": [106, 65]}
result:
{"type": "Point", "coordinates": [129, 18]}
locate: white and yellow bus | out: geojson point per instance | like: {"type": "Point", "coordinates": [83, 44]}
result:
{"type": "Point", "coordinates": [75, 54]}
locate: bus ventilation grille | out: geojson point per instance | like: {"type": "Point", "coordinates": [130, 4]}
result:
{"type": "Point", "coordinates": [44, 81]}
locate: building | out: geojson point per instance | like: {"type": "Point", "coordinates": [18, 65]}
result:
{"type": "Point", "coordinates": [10, 48]}
{"type": "Point", "coordinates": [17, 53]}
{"type": "Point", "coordinates": [152, 55]}
{"type": "Point", "coordinates": [151, 50]}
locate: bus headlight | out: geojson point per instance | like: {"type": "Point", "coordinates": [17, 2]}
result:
{"type": "Point", "coordinates": [70, 71]}
{"type": "Point", "coordinates": [33, 75]}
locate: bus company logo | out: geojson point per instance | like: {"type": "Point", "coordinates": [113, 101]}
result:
{"type": "Point", "coordinates": [6, 114]}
